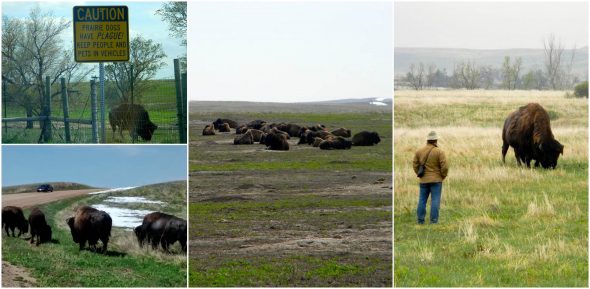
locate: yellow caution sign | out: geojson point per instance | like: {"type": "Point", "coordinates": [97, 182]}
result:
{"type": "Point", "coordinates": [101, 33]}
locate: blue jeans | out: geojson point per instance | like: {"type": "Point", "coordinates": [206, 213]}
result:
{"type": "Point", "coordinates": [434, 189]}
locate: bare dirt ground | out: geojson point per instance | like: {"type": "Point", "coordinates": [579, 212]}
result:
{"type": "Point", "coordinates": [13, 276]}
{"type": "Point", "coordinates": [27, 200]}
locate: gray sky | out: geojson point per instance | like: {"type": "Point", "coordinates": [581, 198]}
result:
{"type": "Point", "coordinates": [489, 25]}
{"type": "Point", "coordinates": [289, 51]}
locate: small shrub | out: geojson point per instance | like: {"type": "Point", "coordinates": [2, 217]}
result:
{"type": "Point", "coordinates": [581, 90]}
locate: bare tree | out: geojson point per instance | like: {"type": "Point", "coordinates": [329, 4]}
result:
{"type": "Point", "coordinates": [467, 75]}
{"type": "Point", "coordinates": [174, 13]}
{"type": "Point", "coordinates": [31, 50]}
{"type": "Point", "coordinates": [511, 73]}
{"type": "Point", "coordinates": [416, 76]}
{"type": "Point", "coordinates": [553, 52]}
{"type": "Point", "coordinates": [146, 57]}
{"type": "Point", "coordinates": [430, 75]}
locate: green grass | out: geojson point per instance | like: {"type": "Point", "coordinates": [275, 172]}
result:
{"type": "Point", "coordinates": [500, 225]}
{"type": "Point", "coordinates": [61, 264]}
{"type": "Point", "coordinates": [159, 101]}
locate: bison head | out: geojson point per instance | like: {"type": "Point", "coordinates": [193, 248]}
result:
{"type": "Point", "coordinates": [375, 137]}
{"type": "Point", "coordinates": [70, 222]}
{"type": "Point", "coordinates": [146, 130]}
{"type": "Point", "coordinates": [24, 226]}
{"type": "Point", "coordinates": [139, 234]}
{"type": "Point", "coordinates": [549, 153]}
{"type": "Point", "coordinates": [45, 234]}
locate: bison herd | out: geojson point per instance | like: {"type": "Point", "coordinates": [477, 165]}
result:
{"type": "Point", "coordinates": [275, 135]}
{"type": "Point", "coordinates": [528, 131]}
{"type": "Point", "coordinates": [89, 225]}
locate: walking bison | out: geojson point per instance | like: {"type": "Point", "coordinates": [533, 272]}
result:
{"type": "Point", "coordinates": [40, 230]}
{"type": "Point", "coordinates": [90, 224]}
{"type": "Point", "coordinates": [132, 117]}
{"type": "Point", "coordinates": [12, 219]}
{"type": "Point", "coordinates": [528, 131]}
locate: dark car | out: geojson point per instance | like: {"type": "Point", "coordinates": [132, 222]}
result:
{"type": "Point", "coordinates": [45, 188]}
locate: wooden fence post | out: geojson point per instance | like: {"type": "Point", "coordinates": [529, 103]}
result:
{"type": "Point", "coordinates": [179, 105]}
{"type": "Point", "coordinates": [94, 111]}
{"type": "Point", "coordinates": [66, 108]}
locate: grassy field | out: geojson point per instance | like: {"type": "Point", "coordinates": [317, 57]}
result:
{"type": "Point", "coordinates": [159, 101]}
{"type": "Point", "coordinates": [500, 224]}
{"type": "Point", "coordinates": [60, 264]}
{"type": "Point", "coordinates": [304, 217]}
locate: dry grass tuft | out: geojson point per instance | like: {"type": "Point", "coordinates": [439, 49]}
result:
{"type": "Point", "coordinates": [468, 231]}
{"type": "Point", "coordinates": [541, 209]}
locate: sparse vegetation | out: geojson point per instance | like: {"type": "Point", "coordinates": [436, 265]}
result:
{"type": "Point", "coordinates": [500, 225]}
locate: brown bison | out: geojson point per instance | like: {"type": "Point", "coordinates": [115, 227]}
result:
{"type": "Point", "coordinates": [13, 218]}
{"type": "Point", "coordinates": [341, 132]}
{"type": "Point", "coordinates": [256, 134]}
{"type": "Point", "coordinates": [39, 227]}
{"type": "Point", "coordinates": [528, 132]}
{"type": "Point", "coordinates": [209, 130]}
{"type": "Point", "coordinates": [132, 117]}
{"type": "Point", "coordinates": [241, 129]}
{"type": "Point", "coordinates": [244, 139]}
{"type": "Point", "coordinates": [311, 135]}
{"type": "Point", "coordinates": [365, 138]}
{"type": "Point", "coordinates": [275, 130]}
{"type": "Point", "coordinates": [161, 229]}
{"type": "Point", "coordinates": [220, 121]}
{"type": "Point", "coordinates": [317, 141]}
{"type": "Point", "coordinates": [90, 224]}
{"type": "Point", "coordinates": [224, 127]}
{"type": "Point", "coordinates": [335, 143]}
{"type": "Point", "coordinates": [276, 141]}
{"type": "Point", "coordinates": [256, 124]}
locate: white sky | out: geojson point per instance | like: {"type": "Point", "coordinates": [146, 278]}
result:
{"type": "Point", "coordinates": [289, 51]}
{"type": "Point", "coordinates": [142, 20]}
{"type": "Point", "coordinates": [489, 25]}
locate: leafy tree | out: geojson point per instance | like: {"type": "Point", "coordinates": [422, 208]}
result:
{"type": "Point", "coordinates": [174, 13]}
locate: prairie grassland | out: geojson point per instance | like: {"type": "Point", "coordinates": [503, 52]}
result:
{"type": "Point", "coordinates": [500, 224]}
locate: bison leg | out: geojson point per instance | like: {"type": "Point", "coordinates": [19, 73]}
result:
{"type": "Point", "coordinates": [82, 243]}
{"type": "Point", "coordinates": [105, 243]}
{"type": "Point", "coordinates": [6, 229]}
{"type": "Point", "coordinates": [505, 147]}
{"type": "Point", "coordinates": [154, 243]}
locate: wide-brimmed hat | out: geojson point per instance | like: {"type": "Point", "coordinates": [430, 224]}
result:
{"type": "Point", "coordinates": [432, 136]}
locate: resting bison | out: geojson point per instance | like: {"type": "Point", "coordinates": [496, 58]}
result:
{"type": "Point", "coordinates": [241, 129]}
{"type": "Point", "coordinates": [276, 141]}
{"type": "Point", "coordinates": [224, 127]}
{"type": "Point", "coordinates": [220, 121]}
{"type": "Point", "coordinates": [365, 138]}
{"type": "Point", "coordinates": [243, 139]}
{"type": "Point", "coordinates": [311, 135]}
{"type": "Point", "coordinates": [13, 218]}
{"type": "Point", "coordinates": [256, 134]}
{"type": "Point", "coordinates": [161, 229]}
{"type": "Point", "coordinates": [209, 130]}
{"type": "Point", "coordinates": [317, 141]}
{"type": "Point", "coordinates": [528, 132]}
{"type": "Point", "coordinates": [335, 143]}
{"type": "Point", "coordinates": [256, 124]}
{"type": "Point", "coordinates": [318, 127]}
{"type": "Point", "coordinates": [39, 227]}
{"type": "Point", "coordinates": [132, 117]}
{"type": "Point", "coordinates": [341, 132]}
{"type": "Point", "coordinates": [90, 224]}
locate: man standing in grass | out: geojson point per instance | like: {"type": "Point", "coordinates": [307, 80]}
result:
{"type": "Point", "coordinates": [434, 171]}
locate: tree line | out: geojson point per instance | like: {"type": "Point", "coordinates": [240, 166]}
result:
{"type": "Point", "coordinates": [556, 73]}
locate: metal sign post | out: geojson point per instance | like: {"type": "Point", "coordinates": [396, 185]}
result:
{"type": "Point", "coordinates": [103, 130]}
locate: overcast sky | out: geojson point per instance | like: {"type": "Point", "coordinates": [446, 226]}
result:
{"type": "Point", "coordinates": [489, 25]}
{"type": "Point", "coordinates": [289, 51]}
{"type": "Point", "coordinates": [104, 166]}
{"type": "Point", "coordinates": [142, 20]}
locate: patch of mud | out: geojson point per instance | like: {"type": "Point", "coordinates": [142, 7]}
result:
{"type": "Point", "coordinates": [13, 276]}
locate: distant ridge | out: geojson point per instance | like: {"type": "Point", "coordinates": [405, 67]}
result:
{"type": "Point", "coordinates": [57, 186]}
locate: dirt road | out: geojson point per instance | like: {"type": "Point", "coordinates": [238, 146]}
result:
{"type": "Point", "coordinates": [27, 200]}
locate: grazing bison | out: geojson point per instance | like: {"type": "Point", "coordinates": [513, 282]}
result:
{"type": "Point", "coordinates": [132, 117]}
{"type": "Point", "coordinates": [528, 132]}
{"type": "Point", "coordinates": [220, 121]}
{"type": "Point", "coordinates": [13, 218]}
{"type": "Point", "coordinates": [224, 127]}
{"type": "Point", "coordinates": [90, 224]}
{"type": "Point", "coordinates": [241, 129]}
{"type": "Point", "coordinates": [276, 141]}
{"type": "Point", "coordinates": [209, 130]}
{"type": "Point", "coordinates": [365, 138]}
{"type": "Point", "coordinates": [243, 139]}
{"type": "Point", "coordinates": [39, 227]}
{"type": "Point", "coordinates": [341, 132]}
{"type": "Point", "coordinates": [161, 229]}
{"type": "Point", "coordinates": [335, 143]}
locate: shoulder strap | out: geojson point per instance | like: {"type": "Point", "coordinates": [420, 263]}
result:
{"type": "Point", "coordinates": [428, 155]}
